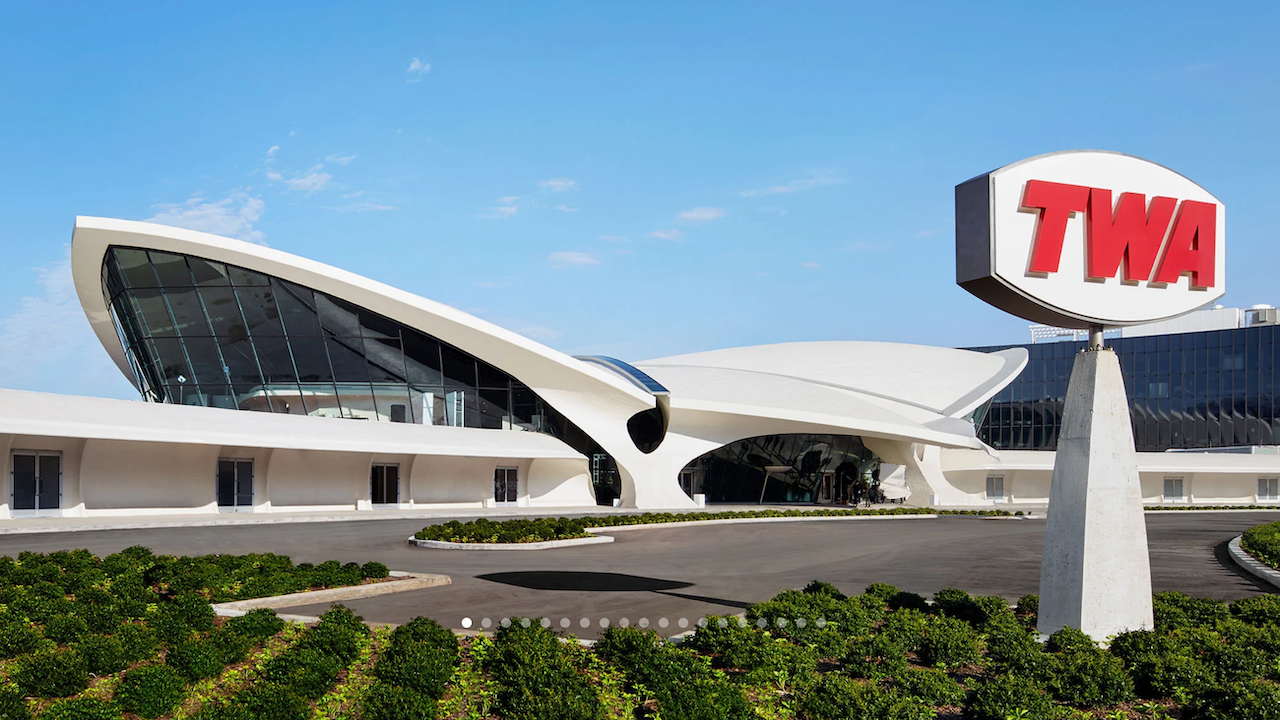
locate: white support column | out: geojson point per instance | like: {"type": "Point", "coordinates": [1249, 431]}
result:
{"type": "Point", "coordinates": [1096, 574]}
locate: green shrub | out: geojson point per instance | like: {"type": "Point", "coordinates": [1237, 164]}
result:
{"type": "Point", "coordinates": [334, 640]}
{"type": "Point", "coordinates": [949, 642]}
{"type": "Point", "coordinates": [909, 601]}
{"type": "Point", "coordinates": [196, 659]}
{"type": "Point", "coordinates": [1237, 701]}
{"type": "Point", "coordinates": [1070, 639]}
{"type": "Point", "coordinates": [904, 627]}
{"type": "Point", "coordinates": [426, 630]}
{"type": "Point", "coordinates": [101, 615]}
{"type": "Point", "coordinates": [817, 620]}
{"type": "Point", "coordinates": [84, 708]}
{"type": "Point", "coordinates": [393, 702]}
{"type": "Point", "coordinates": [1174, 611]}
{"type": "Point", "coordinates": [416, 665]}
{"type": "Point", "coordinates": [929, 686]}
{"type": "Point", "coordinates": [1261, 610]}
{"type": "Point", "coordinates": [13, 706]}
{"type": "Point", "coordinates": [52, 674]}
{"type": "Point", "coordinates": [1014, 649]}
{"type": "Point", "coordinates": [138, 642]}
{"type": "Point", "coordinates": [1007, 696]}
{"type": "Point", "coordinates": [150, 691]}
{"type": "Point", "coordinates": [310, 673]}
{"type": "Point", "coordinates": [1090, 679]}
{"type": "Point", "coordinates": [874, 657]}
{"type": "Point", "coordinates": [839, 698]}
{"type": "Point", "coordinates": [259, 624]}
{"type": "Point", "coordinates": [818, 587]}
{"type": "Point", "coordinates": [958, 604]}
{"type": "Point", "coordinates": [18, 637]}
{"type": "Point", "coordinates": [232, 646]}
{"type": "Point", "coordinates": [374, 570]}
{"type": "Point", "coordinates": [883, 591]}
{"type": "Point", "coordinates": [761, 656]}
{"type": "Point", "coordinates": [103, 654]}
{"type": "Point", "coordinates": [537, 679]}
{"type": "Point", "coordinates": [1263, 542]}
{"type": "Point", "coordinates": [66, 629]}
{"type": "Point", "coordinates": [1028, 607]}
{"type": "Point", "coordinates": [266, 701]}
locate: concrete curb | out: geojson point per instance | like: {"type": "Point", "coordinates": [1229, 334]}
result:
{"type": "Point", "coordinates": [743, 521]}
{"type": "Point", "coordinates": [403, 582]}
{"type": "Point", "coordinates": [548, 545]}
{"type": "Point", "coordinates": [1251, 565]}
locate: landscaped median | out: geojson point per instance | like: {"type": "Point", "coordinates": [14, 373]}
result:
{"type": "Point", "coordinates": [546, 533]}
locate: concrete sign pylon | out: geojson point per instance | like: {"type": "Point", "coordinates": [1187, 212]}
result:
{"type": "Point", "coordinates": [1096, 573]}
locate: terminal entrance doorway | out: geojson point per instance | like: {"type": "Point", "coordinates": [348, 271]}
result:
{"type": "Point", "coordinates": [235, 485]}
{"type": "Point", "coordinates": [37, 483]}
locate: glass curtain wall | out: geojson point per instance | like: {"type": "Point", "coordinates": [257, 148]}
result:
{"type": "Point", "coordinates": [1186, 391]}
{"type": "Point", "coordinates": [198, 332]}
{"type": "Point", "coordinates": [736, 473]}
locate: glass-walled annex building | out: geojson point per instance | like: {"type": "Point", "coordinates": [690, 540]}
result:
{"type": "Point", "coordinates": [1187, 391]}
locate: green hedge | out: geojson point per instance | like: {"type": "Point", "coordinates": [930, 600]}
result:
{"type": "Point", "coordinates": [524, 530]}
{"type": "Point", "coordinates": [1263, 542]}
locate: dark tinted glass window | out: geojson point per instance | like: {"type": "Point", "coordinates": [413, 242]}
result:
{"type": "Point", "coordinates": [171, 269]}
{"type": "Point", "coordinates": [296, 306]}
{"type": "Point", "coordinates": [259, 307]}
{"type": "Point", "coordinates": [224, 312]}
{"type": "Point", "coordinates": [208, 274]}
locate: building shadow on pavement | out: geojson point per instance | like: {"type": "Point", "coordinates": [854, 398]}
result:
{"type": "Point", "coordinates": [601, 582]}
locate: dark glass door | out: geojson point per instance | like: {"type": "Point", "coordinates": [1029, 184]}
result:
{"type": "Point", "coordinates": [505, 485]}
{"type": "Point", "coordinates": [235, 483]}
{"type": "Point", "coordinates": [37, 481]}
{"type": "Point", "coordinates": [385, 481]}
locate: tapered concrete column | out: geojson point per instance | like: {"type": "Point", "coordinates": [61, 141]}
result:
{"type": "Point", "coordinates": [1096, 574]}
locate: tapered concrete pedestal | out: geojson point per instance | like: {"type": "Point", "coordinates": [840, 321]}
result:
{"type": "Point", "coordinates": [1096, 574]}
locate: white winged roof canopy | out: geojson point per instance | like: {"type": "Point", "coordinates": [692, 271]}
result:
{"type": "Point", "coordinates": [901, 393]}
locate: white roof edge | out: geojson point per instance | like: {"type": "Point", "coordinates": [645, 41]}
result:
{"type": "Point", "coordinates": [93, 235]}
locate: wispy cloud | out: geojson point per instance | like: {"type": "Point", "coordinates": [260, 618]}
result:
{"type": "Point", "coordinates": [363, 207]}
{"type": "Point", "coordinates": [565, 208]}
{"type": "Point", "coordinates": [810, 265]}
{"type": "Point", "coordinates": [927, 233]}
{"type": "Point", "coordinates": [232, 216]}
{"type": "Point", "coordinates": [572, 259]}
{"type": "Point", "coordinates": [310, 181]}
{"type": "Point", "coordinates": [613, 238]}
{"type": "Point", "coordinates": [701, 214]}
{"type": "Point", "coordinates": [340, 159]}
{"type": "Point", "coordinates": [271, 153]}
{"type": "Point", "coordinates": [671, 234]}
{"type": "Point", "coordinates": [417, 70]}
{"type": "Point", "coordinates": [816, 179]}
{"type": "Point", "coordinates": [502, 211]}
{"type": "Point", "coordinates": [508, 199]}
{"type": "Point", "coordinates": [47, 345]}
{"type": "Point", "coordinates": [558, 184]}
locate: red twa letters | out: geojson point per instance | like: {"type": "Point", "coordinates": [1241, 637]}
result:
{"type": "Point", "coordinates": [1133, 232]}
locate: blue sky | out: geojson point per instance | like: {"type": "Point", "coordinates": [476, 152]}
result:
{"type": "Point", "coordinates": [633, 179]}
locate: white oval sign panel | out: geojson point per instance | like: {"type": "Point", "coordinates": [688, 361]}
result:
{"type": "Point", "coordinates": [1084, 237]}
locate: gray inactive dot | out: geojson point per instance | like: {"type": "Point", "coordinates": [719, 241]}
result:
{"type": "Point", "coordinates": [585, 623]}
{"type": "Point", "coordinates": [683, 622]}
{"type": "Point", "coordinates": [742, 622]}
{"type": "Point", "coordinates": [545, 622]}
{"type": "Point", "coordinates": [662, 622]}
{"type": "Point", "coordinates": [624, 623]}
{"type": "Point", "coordinates": [506, 622]}
{"type": "Point", "coordinates": [702, 622]}
{"type": "Point", "coordinates": [524, 622]}
{"type": "Point", "coordinates": [762, 623]}
{"type": "Point", "coordinates": [644, 622]}
{"type": "Point", "coordinates": [782, 622]}
{"type": "Point", "coordinates": [801, 622]}
{"type": "Point", "coordinates": [820, 622]}
{"type": "Point", "coordinates": [565, 622]}
{"type": "Point", "coordinates": [486, 623]}
{"type": "Point", "coordinates": [604, 622]}
{"type": "Point", "coordinates": [722, 623]}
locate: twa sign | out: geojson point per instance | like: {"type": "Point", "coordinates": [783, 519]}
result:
{"type": "Point", "coordinates": [1083, 238]}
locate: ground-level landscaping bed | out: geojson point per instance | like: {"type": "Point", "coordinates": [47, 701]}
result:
{"type": "Point", "coordinates": [1263, 543]}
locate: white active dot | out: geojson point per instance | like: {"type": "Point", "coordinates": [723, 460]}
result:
{"type": "Point", "coordinates": [466, 622]}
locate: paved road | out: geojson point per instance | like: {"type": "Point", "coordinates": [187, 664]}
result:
{"type": "Point", "coordinates": [690, 572]}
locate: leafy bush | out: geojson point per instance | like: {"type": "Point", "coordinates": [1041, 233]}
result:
{"type": "Point", "coordinates": [818, 587]}
{"type": "Point", "coordinates": [416, 665]}
{"type": "Point", "coordinates": [537, 679]}
{"type": "Point", "coordinates": [52, 673]}
{"type": "Point", "coordinates": [196, 658]}
{"type": "Point", "coordinates": [18, 637]}
{"type": "Point", "coordinates": [66, 629]}
{"type": "Point", "coordinates": [426, 630]}
{"type": "Point", "coordinates": [883, 591]}
{"type": "Point", "coordinates": [1237, 701]}
{"type": "Point", "coordinates": [838, 698]}
{"type": "Point", "coordinates": [761, 656]}
{"type": "Point", "coordinates": [818, 620]}
{"type": "Point", "coordinates": [958, 604]}
{"type": "Point", "coordinates": [310, 673]}
{"type": "Point", "coordinates": [13, 706]}
{"type": "Point", "coordinates": [1174, 611]}
{"type": "Point", "coordinates": [103, 654]}
{"type": "Point", "coordinates": [1028, 607]}
{"type": "Point", "coordinates": [1090, 679]}
{"type": "Point", "coordinates": [266, 701]}
{"type": "Point", "coordinates": [394, 702]}
{"type": "Point", "coordinates": [874, 657]}
{"type": "Point", "coordinates": [1012, 648]}
{"type": "Point", "coordinates": [150, 691]}
{"type": "Point", "coordinates": [261, 624]}
{"type": "Point", "coordinates": [1263, 542]}
{"type": "Point", "coordinates": [138, 642]}
{"type": "Point", "coordinates": [83, 708]}
{"type": "Point", "coordinates": [374, 570]}
{"type": "Point", "coordinates": [905, 628]}
{"type": "Point", "coordinates": [929, 686]}
{"type": "Point", "coordinates": [1070, 639]}
{"type": "Point", "coordinates": [1007, 696]}
{"type": "Point", "coordinates": [1261, 610]}
{"type": "Point", "coordinates": [949, 642]}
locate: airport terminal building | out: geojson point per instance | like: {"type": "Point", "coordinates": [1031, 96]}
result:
{"type": "Point", "coordinates": [275, 383]}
